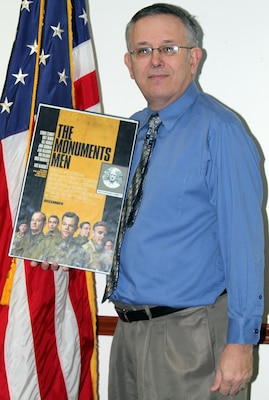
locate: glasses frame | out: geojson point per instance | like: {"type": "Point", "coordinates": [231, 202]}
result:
{"type": "Point", "coordinates": [149, 50]}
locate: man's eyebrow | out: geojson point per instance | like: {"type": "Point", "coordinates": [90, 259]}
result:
{"type": "Point", "coordinates": [145, 43]}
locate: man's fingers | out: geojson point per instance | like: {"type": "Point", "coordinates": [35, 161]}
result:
{"type": "Point", "coordinates": [54, 266]}
{"type": "Point", "coordinates": [34, 263]}
{"type": "Point", "coordinates": [45, 266]}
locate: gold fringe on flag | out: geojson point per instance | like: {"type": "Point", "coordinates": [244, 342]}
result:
{"type": "Point", "coordinates": [5, 299]}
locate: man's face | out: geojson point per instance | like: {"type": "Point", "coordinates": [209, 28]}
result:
{"type": "Point", "coordinates": [99, 234]}
{"type": "Point", "coordinates": [37, 223]}
{"type": "Point", "coordinates": [161, 79]}
{"type": "Point", "coordinates": [68, 228]}
{"type": "Point", "coordinates": [112, 176]}
{"type": "Point", "coordinates": [23, 228]}
{"type": "Point", "coordinates": [52, 224]}
{"type": "Point", "coordinates": [85, 230]}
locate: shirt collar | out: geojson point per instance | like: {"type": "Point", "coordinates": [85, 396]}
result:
{"type": "Point", "coordinates": [170, 114]}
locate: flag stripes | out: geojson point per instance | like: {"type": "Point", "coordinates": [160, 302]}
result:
{"type": "Point", "coordinates": [48, 319]}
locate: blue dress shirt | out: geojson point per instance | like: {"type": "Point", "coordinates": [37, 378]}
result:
{"type": "Point", "coordinates": [199, 227]}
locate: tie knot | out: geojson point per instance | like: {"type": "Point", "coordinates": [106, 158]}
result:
{"type": "Point", "coordinates": [154, 122]}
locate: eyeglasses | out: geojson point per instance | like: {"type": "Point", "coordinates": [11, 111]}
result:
{"type": "Point", "coordinates": [165, 50]}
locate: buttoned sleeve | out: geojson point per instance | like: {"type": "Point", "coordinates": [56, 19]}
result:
{"type": "Point", "coordinates": [235, 188]}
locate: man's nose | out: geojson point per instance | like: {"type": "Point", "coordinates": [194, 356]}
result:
{"type": "Point", "coordinates": [156, 57]}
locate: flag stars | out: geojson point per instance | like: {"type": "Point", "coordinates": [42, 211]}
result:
{"type": "Point", "coordinates": [20, 77]}
{"type": "Point", "coordinates": [63, 77]}
{"type": "Point", "coordinates": [57, 31]}
{"type": "Point", "coordinates": [6, 106]}
{"type": "Point", "coordinates": [33, 48]}
{"type": "Point", "coordinates": [84, 16]}
{"type": "Point", "coordinates": [43, 58]}
{"type": "Point", "coordinates": [25, 5]}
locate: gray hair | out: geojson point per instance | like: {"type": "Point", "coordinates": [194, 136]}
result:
{"type": "Point", "coordinates": [193, 31]}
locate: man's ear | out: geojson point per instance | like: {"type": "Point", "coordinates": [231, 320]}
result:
{"type": "Point", "coordinates": [128, 63]}
{"type": "Point", "coordinates": [195, 58]}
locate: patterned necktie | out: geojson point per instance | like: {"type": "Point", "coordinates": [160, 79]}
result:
{"type": "Point", "coordinates": [133, 200]}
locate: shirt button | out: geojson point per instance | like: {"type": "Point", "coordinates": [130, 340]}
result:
{"type": "Point", "coordinates": [260, 296]}
{"type": "Point", "coordinates": [256, 330]}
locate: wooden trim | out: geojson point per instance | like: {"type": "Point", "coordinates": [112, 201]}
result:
{"type": "Point", "coordinates": [264, 334]}
{"type": "Point", "coordinates": [106, 326]}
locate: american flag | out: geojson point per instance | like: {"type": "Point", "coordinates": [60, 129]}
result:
{"type": "Point", "coordinates": [48, 319]}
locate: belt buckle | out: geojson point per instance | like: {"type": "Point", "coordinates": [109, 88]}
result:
{"type": "Point", "coordinates": [123, 314]}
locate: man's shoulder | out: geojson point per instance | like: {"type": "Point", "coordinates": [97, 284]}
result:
{"type": "Point", "coordinates": [52, 234]}
{"type": "Point", "coordinates": [54, 238]}
{"type": "Point", "coordinates": [89, 246]}
{"type": "Point", "coordinates": [217, 109]}
{"type": "Point", "coordinates": [80, 240]}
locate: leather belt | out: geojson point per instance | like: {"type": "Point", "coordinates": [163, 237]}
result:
{"type": "Point", "coordinates": [152, 312]}
{"type": "Point", "coordinates": [139, 315]}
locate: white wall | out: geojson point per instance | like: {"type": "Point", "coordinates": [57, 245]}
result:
{"type": "Point", "coordinates": [236, 36]}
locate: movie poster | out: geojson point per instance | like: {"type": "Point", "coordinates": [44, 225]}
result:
{"type": "Point", "coordinates": [73, 189]}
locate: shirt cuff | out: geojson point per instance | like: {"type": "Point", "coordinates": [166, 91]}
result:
{"type": "Point", "coordinates": [242, 331]}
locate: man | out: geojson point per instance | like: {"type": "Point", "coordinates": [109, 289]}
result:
{"type": "Point", "coordinates": [19, 237]}
{"type": "Point", "coordinates": [27, 245]}
{"type": "Point", "coordinates": [111, 178]}
{"type": "Point", "coordinates": [22, 230]}
{"type": "Point", "coordinates": [53, 226]}
{"type": "Point", "coordinates": [84, 233]}
{"type": "Point", "coordinates": [37, 223]}
{"type": "Point", "coordinates": [63, 248]}
{"type": "Point", "coordinates": [195, 237]}
{"type": "Point", "coordinates": [95, 247]}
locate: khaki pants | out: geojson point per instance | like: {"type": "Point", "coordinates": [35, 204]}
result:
{"type": "Point", "coordinates": [171, 357]}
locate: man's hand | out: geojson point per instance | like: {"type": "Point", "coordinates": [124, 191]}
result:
{"type": "Point", "coordinates": [45, 265]}
{"type": "Point", "coordinates": [234, 369]}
